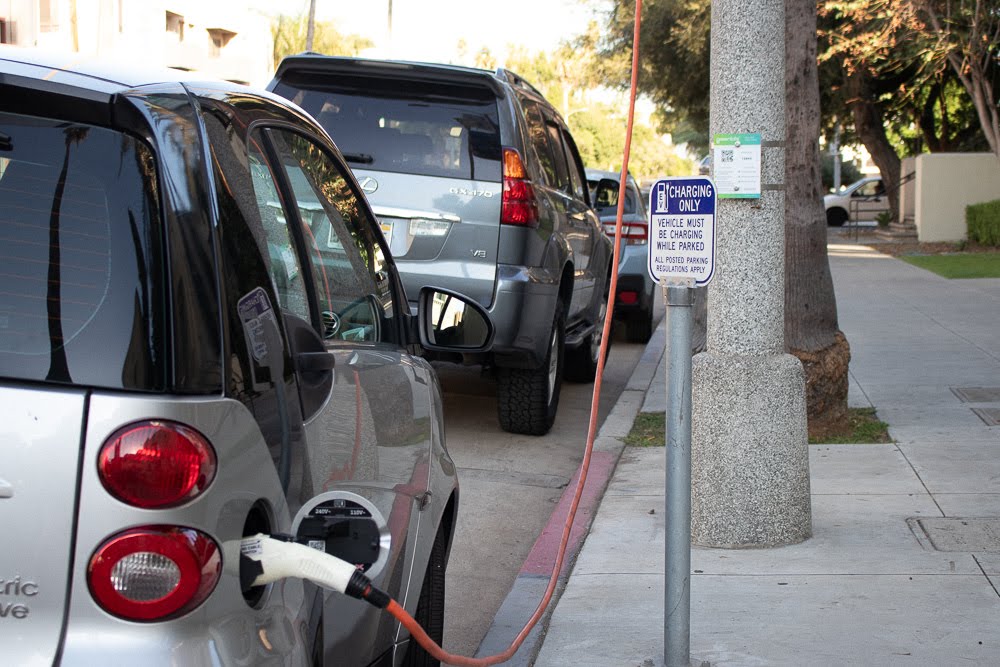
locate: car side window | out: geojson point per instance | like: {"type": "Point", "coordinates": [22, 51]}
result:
{"type": "Point", "coordinates": [348, 266]}
{"type": "Point", "coordinates": [283, 264]}
{"type": "Point", "coordinates": [538, 134]}
{"type": "Point", "coordinates": [577, 175]}
{"type": "Point", "coordinates": [870, 189]}
{"type": "Point", "coordinates": [558, 156]}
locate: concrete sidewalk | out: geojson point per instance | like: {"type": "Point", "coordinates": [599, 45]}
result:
{"type": "Point", "coordinates": [904, 564]}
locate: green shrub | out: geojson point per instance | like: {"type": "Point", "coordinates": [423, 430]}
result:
{"type": "Point", "coordinates": [884, 218]}
{"type": "Point", "coordinates": [983, 221]}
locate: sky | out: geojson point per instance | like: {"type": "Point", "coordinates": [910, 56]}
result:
{"type": "Point", "coordinates": [429, 30]}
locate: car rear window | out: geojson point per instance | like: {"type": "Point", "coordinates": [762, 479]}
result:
{"type": "Point", "coordinates": [405, 126]}
{"type": "Point", "coordinates": [80, 256]}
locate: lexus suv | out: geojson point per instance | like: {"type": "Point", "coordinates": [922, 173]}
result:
{"type": "Point", "coordinates": [479, 187]}
{"type": "Point", "coordinates": [203, 337]}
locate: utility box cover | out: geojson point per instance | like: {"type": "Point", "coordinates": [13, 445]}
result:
{"type": "Point", "coordinates": [682, 231]}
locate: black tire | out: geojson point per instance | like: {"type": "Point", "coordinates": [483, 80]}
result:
{"type": "Point", "coordinates": [527, 398]}
{"type": "Point", "coordinates": [581, 362]}
{"type": "Point", "coordinates": [430, 607]}
{"type": "Point", "coordinates": [639, 328]}
{"type": "Point", "coordinates": [836, 217]}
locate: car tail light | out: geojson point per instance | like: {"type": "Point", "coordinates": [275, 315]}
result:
{"type": "Point", "coordinates": [633, 233]}
{"type": "Point", "coordinates": [519, 206]}
{"type": "Point", "coordinates": [628, 298]}
{"type": "Point", "coordinates": [156, 464]}
{"type": "Point", "coordinates": [154, 573]}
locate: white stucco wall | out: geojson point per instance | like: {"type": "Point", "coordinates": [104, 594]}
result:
{"type": "Point", "coordinates": [946, 184]}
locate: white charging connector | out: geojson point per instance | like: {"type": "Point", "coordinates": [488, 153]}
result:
{"type": "Point", "coordinates": [279, 560]}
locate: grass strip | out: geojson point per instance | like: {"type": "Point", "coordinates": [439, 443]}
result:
{"type": "Point", "coordinates": [958, 265]}
{"type": "Point", "coordinates": [860, 427]}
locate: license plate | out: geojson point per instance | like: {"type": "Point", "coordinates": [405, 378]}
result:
{"type": "Point", "coordinates": [387, 232]}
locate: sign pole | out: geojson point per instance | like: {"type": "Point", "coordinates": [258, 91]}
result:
{"type": "Point", "coordinates": [681, 257]}
{"type": "Point", "coordinates": [677, 600]}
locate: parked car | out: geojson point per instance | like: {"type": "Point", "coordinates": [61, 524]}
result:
{"type": "Point", "coordinates": [862, 200]}
{"type": "Point", "coordinates": [201, 330]}
{"type": "Point", "coordinates": [705, 165]}
{"type": "Point", "coordinates": [636, 289]}
{"type": "Point", "coordinates": [478, 186]}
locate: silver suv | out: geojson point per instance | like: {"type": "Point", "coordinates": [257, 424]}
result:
{"type": "Point", "coordinates": [478, 186]}
{"type": "Point", "coordinates": [202, 337]}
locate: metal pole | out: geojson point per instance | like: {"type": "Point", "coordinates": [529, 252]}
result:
{"type": "Point", "coordinates": [677, 601]}
{"type": "Point", "coordinates": [311, 25]}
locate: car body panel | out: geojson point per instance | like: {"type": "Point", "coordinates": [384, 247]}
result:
{"type": "Point", "coordinates": [441, 231]}
{"type": "Point", "coordinates": [37, 511]}
{"type": "Point", "coordinates": [224, 628]}
{"type": "Point", "coordinates": [343, 452]}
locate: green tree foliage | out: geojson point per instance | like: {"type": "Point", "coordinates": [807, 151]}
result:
{"type": "Point", "coordinates": [674, 61]}
{"type": "Point", "coordinates": [848, 172]}
{"type": "Point", "coordinates": [890, 50]}
{"type": "Point", "coordinates": [599, 133]}
{"type": "Point", "coordinates": [568, 77]}
{"type": "Point", "coordinates": [289, 35]}
{"type": "Point", "coordinates": [965, 37]}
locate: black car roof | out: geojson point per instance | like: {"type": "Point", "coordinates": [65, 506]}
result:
{"type": "Point", "coordinates": [42, 82]}
{"type": "Point", "coordinates": [305, 62]}
{"type": "Point", "coordinates": [72, 69]}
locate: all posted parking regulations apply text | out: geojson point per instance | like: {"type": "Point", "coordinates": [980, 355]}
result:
{"type": "Point", "coordinates": [682, 231]}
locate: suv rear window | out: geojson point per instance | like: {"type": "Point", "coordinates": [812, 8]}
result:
{"type": "Point", "coordinates": [405, 126]}
{"type": "Point", "coordinates": [80, 256]}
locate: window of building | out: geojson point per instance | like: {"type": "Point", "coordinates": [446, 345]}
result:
{"type": "Point", "coordinates": [175, 25]}
{"type": "Point", "coordinates": [219, 38]}
{"type": "Point", "coordinates": [48, 15]}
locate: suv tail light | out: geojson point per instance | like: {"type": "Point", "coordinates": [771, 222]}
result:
{"type": "Point", "coordinates": [154, 573]}
{"type": "Point", "coordinates": [156, 464]}
{"type": "Point", "coordinates": [519, 205]}
{"type": "Point", "coordinates": [633, 233]}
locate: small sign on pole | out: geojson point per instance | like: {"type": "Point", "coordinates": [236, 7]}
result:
{"type": "Point", "coordinates": [682, 231]}
{"type": "Point", "coordinates": [736, 165]}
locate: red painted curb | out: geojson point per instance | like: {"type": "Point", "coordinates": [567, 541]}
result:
{"type": "Point", "coordinates": [543, 554]}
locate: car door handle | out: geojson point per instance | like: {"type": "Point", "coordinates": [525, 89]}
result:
{"type": "Point", "coordinates": [314, 362]}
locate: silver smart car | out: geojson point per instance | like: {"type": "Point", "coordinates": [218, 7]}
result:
{"type": "Point", "coordinates": [203, 337]}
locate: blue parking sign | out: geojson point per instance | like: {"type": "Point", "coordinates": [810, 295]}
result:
{"type": "Point", "coordinates": [682, 231]}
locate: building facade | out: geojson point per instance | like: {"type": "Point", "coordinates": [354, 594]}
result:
{"type": "Point", "coordinates": [224, 40]}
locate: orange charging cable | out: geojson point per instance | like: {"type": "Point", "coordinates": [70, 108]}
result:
{"type": "Point", "coordinates": [397, 611]}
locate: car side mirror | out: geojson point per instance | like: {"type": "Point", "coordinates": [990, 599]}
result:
{"type": "Point", "coordinates": [606, 194]}
{"type": "Point", "coordinates": [452, 322]}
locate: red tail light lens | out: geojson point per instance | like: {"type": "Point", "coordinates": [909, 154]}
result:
{"type": "Point", "coordinates": [628, 298]}
{"type": "Point", "coordinates": [519, 206]}
{"type": "Point", "coordinates": [156, 464]}
{"type": "Point", "coordinates": [154, 573]}
{"type": "Point", "coordinates": [633, 233]}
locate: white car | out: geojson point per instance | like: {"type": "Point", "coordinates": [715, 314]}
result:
{"type": "Point", "coordinates": [860, 201]}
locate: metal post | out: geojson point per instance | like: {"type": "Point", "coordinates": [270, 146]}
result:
{"type": "Point", "coordinates": [677, 602]}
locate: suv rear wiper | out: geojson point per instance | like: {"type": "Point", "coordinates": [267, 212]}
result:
{"type": "Point", "coordinates": [360, 158]}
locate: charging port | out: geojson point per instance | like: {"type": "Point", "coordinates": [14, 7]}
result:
{"type": "Point", "coordinates": [257, 521]}
{"type": "Point", "coordinates": [342, 528]}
